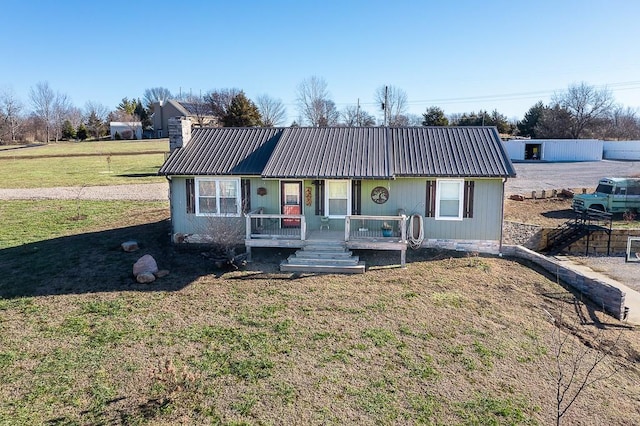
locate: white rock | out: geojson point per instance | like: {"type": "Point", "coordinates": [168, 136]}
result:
{"type": "Point", "coordinates": [145, 264]}
{"type": "Point", "coordinates": [130, 246]}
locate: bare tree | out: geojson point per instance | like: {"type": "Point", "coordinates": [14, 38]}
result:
{"type": "Point", "coordinates": [60, 111]}
{"type": "Point", "coordinates": [200, 111]}
{"type": "Point", "coordinates": [10, 115]}
{"type": "Point", "coordinates": [587, 106]}
{"type": "Point", "coordinates": [579, 364]}
{"type": "Point", "coordinates": [155, 94]}
{"type": "Point", "coordinates": [314, 103]}
{"type": "Point", "coordinates": [623, 124]}
{"type": "Point", "coordinates": [220, 100]}
{"type": "Point", "coordinates": [75, 116]}
{"type": "Point", "coordinates": [393, 103]}
{"type": "Point", "coordinates": [272, 110]}
{"type": "Point", "coordinates": [354, 116]}
{"type": "Point", "coordinates": [42, 100]}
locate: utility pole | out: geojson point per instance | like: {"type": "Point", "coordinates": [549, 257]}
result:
{"type": "Point", "coordinates": [385, 106]}
{"type": "Point", "coordinates": [358, 121]}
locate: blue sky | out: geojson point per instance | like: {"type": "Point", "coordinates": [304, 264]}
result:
{"type": "Point", "coordinates": [462, 56]}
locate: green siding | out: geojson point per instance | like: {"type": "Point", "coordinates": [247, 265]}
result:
{"type": "Point", "coordinates": [404, 193]}
{"type": "Point", "coordinates": [269, 202]}
{"type": "Point", "coordinates": [410, 194]}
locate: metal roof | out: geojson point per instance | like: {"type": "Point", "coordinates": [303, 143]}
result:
{"type": "Point", "coordinates": [223, 151]}
{"type": "Point", "coordinates": [343, 152]}
{"type": "Point", "coordinates": [449, 151]}
{"type": "Point", "coordinates": [330, 153]}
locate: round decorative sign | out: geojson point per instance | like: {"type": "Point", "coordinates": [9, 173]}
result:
{"type": "Point", "coordinates": [379, 195]}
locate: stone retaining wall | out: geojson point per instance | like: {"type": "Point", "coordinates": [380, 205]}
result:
{"type": "Point", "coordinates": [609, 297]}
{"type": "Point", "coordinates": [598, 242]}
{"type": "Point", "coordinates": [535, 238]}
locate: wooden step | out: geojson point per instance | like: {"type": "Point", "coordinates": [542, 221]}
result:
{"type": "Point", "coordinates": [322, 261]}
{"type": "Point", "coordinates": [316, 254]}
{"type": "Point", "coordinates": [324, 249]}
{"type": "Point", "coordinates": [325, 269]}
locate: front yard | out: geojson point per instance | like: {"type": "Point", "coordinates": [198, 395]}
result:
{"type": "Point", "coordinates": [451, 339]}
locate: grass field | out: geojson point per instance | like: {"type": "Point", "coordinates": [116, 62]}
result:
{"type": "Point", "coordinates": [81, 148]}
{"type": "Point", "coordinates": [107, 163]}
{"type": "Point", "coordinates": [451, 339]}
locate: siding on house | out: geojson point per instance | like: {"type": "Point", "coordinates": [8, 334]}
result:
{"type": "Point", "coordinates": [405, 193]}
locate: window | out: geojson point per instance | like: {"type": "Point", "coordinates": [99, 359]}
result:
{"type": "Point", "coordinates": [338, 198]}
{"type": "Point", "coordinates": [217, 197]}
{"type": "Point", "coordinates": [449, 197]}
{"type": "Point", "coordinates": [443, 197]}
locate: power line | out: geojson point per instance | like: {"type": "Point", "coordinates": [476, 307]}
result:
{"type": "Point", "coordinates": [614, 87]}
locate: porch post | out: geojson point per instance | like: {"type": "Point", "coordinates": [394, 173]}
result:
{"type": "Point", "coordinates": [303, 228]}
{"type": "Point", "coordinates": [403, 257]}
{"type": "Point", "coordinates": [403, 226]}
{"type": "Point", "coordinates": [347, 227]}
{"type": "Point", "coordinates": [248, 235]}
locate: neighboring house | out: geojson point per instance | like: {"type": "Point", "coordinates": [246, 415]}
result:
{"type": "Point", "coordinates": [125, 129]}
{"type": "Point", "coordinates": [286, 187]}
{"type": "Point", "coordinates": [199, 113]}
{"type": "Point", "coordinates": [554, 149]}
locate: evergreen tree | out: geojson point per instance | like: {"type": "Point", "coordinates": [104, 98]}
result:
{"type": "Point", "coordinates": [68, 132]}
{"type": "Point", "coordinates": [81, 133]}
{"type": "Point", "coordinates": [143, 115]}
{"type": "Point", "coordinates": [127, 106]}
{"type": "Point", "coordinates": [95, 126]}
{"type": "Point", "coordinates": [434, 116]}
{"type": "Point", "coordinates": [242, 113]}
{"type": "Point", "coordinates": [527, 127]}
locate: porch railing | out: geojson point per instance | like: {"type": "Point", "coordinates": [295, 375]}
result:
{"type": "Point", "coordinates": [274, 226]}
{"type": "Point", "coordinates": [362, 227]}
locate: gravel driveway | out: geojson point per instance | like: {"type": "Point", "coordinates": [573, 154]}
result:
{"type": "Point", "coordinates": [540, 175]}
{"type": "Point", "coordinates": [142, 192]}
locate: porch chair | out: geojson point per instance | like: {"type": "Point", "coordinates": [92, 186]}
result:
{"type": "Point", "coordinates": [324, 222]}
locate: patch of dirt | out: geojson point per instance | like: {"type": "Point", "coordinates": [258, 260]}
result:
{"type": "Point", "coordinates": [548, 212]}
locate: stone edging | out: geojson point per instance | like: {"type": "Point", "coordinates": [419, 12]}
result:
{"type": "Point", "coordinates": [611, 298]}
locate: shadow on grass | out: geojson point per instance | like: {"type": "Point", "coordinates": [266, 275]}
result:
{"type": "Point", "coordinates": [94, 262]}
{"type": "Point", "coordinates": [573, 298]}
{"type": "Point", "coordinates": [135, 175]}
{"type": "Point", "coordinates": [560, 214]}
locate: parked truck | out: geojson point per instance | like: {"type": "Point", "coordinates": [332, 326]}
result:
{"type": "Point", "coordinates": [613, 195]}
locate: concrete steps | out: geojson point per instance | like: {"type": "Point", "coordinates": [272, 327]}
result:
{"type": "Point", "coordinates": [329, 257]}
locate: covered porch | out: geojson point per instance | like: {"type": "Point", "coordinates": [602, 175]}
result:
{"type": "Point", "coordinates": [361, 232]}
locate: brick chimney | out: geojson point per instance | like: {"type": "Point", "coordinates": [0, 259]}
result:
{"type": "Point", "coordinates": [179, 132]}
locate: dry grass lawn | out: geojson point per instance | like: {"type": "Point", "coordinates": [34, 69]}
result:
{"type": "Point", "coordinates": [451, 339]}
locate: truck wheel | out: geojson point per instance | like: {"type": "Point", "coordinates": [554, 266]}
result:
{"type": "Point", "coordinates": [598, 207]}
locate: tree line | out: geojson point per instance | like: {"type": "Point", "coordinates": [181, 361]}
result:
{"type": "Point", "coordinates": [581, 111]}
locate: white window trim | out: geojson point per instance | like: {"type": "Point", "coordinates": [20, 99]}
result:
{"type": "Point", "coordinates": [439, 182]}
{"type": "Point", "coordinates": [217, 181]}
{"type": "Point", "coordinates": [326, 199]}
